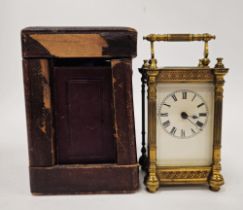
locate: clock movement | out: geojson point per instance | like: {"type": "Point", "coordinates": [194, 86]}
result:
{"type": "Point", "coordinates": [184, 119]}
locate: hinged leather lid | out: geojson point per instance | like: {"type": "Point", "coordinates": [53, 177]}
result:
{"type": "Point", "coordinates": [73, 42]}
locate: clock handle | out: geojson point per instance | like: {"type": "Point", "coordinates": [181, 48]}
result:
{"type": "Point", "coordinates": [180, 38]}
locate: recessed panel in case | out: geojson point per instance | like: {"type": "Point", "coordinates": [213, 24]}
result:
{"type": "Point", "coordinates": [83, 120]}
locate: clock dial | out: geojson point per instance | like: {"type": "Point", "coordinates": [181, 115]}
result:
{"type": "Point", "coordinates": [183, 114]}
{"type": "Point", "coordinates": [184, 124]}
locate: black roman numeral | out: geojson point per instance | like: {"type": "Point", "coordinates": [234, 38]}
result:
{"type": "Point", "coordinates": [166, 123]}
{"type": "Point", "coordinates": [183, 133]}
{"type": "Point", "coordinates": [174, 97]}
{"type": "Point", "coordinates": [167, 105]}
{"type": "Point", "coordinates": [193, 131]}
{"type": "Point", "coordinates": [184, 95]}
{"type": "Point", "coordinates": [202, 114]}
{"type": "Point", "coordinates": [199, 124]}
{"type": "Point", "coordinates": [199, 105]}
{"type": "Point", "coordinates": [164, 114]}
{"type": "Point", "coordinates": [173, 130]}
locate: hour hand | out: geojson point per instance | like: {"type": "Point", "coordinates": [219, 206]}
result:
{"type": "Point", "coordinates": [184, 115]}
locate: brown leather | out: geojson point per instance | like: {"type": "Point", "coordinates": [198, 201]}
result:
{"type": "Point", "coordinates": [80, 123]}
{"type": "Point", "coordinates": [83, 120]}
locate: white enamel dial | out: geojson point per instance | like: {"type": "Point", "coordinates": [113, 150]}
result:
{"type": "Point", "coordinates": [183, 113]}
{"type": "Point", "coordinates": [184, 124]}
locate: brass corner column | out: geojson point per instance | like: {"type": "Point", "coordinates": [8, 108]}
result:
{"type": "Point", "coordinates": [152, 181]}
{"type": "Point", "coordinates": [216, 179]}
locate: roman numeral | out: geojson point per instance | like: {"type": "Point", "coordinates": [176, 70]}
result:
{"type": "Point", "coordinates": [202, 114]}
{"type": "Point", "coordinates": [199, 105]}
{"type": "Point", "coordinates": [193, 131]}
{"type": "Point", "coordinates": [174, 97]}
{"type": "Point", "coordinates": [166, 123]}
{"type": "Point", "coordinates": [183, 133]}
{"type": "Point", "coordinates": [194, 97]}
{"type": "Point", "coordinates": [164, 114]}
{"type": "Point", "coordinates": [199, 124]}
{"type": "Point", "coordinates": [167, 105]}
{"type": "Point", "coordinates": [173, 130]}
{"type": "Point", "coordinates": [184, 95]}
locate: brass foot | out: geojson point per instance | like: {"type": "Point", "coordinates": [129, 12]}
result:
{"type": "Point", "coordinates": [215, 182]}
{"type": "Point", "coordinates": [215, 188]}
{"type": "Point", "coordinates": [152, 183]}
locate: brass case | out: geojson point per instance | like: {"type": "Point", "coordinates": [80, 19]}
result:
{"type": "Point", "coordinates": [210, 174]}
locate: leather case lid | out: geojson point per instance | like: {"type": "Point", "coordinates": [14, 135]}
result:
{"type": "Point", "coordinates": [73, 42]}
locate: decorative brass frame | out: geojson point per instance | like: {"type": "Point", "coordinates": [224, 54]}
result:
{"type": "Point", "coordinates": [156, 175]}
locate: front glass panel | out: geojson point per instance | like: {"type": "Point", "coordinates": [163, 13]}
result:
{"type": "Point", "coordinates": [184, 129]}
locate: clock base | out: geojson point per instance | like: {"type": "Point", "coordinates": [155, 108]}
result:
{"type": "Point", "coordinates": [202, 175]}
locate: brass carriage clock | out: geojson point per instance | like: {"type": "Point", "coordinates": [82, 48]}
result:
{"type": "Point", "coordinates": [184, 119]}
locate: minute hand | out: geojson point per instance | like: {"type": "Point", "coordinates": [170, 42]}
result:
{"type": "Point", "coordinates": [193, 123]}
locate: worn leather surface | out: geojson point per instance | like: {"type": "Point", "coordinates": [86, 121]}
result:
{"type": "Point", "coordinates": [83, 117]}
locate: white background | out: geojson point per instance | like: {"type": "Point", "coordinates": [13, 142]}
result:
{"type": "Point", "coordinates": [223, 18]}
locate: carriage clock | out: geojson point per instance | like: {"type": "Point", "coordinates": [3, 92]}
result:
{"type": "Point", "coordinates": [184, 119]}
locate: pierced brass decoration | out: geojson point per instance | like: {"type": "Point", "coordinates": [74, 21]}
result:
{"type": "Point", "coordinates": [193, 75]}
{"type": "Point", "coordinates": [183, 175]}
{"type": "Point", "coordinates": [157, 175]}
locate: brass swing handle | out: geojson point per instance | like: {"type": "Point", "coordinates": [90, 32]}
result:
{"type": "Point", "coordinates": [204, 62]}
{"type": "Point", "coordinates": [179, 37]}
